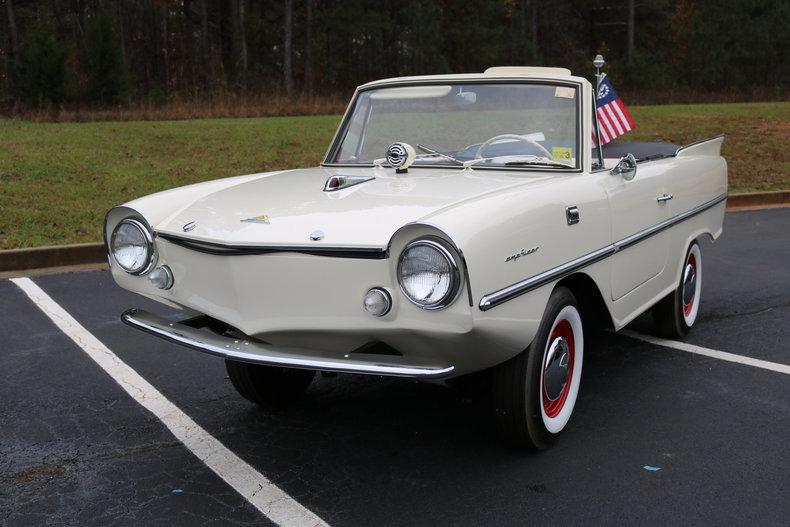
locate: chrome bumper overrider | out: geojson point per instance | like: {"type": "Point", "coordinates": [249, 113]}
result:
{"type": "Point", "coordinates": [257, 352]}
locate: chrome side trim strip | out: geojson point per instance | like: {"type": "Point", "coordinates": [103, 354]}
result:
{"type": "Point", "coordinates": [655, 229]}
{"type": "Point", "coordinates": [528, 284]}
{"type": "Point", "coordinates": [257, 352]}
{"type": "Point", "coordinates": [519, 288]}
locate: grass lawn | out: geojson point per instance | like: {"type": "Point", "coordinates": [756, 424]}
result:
{"type": "Point", "coordinates": [58, 179]}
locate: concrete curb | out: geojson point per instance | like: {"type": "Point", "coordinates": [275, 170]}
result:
{"type": "Point", "coordinates": [52, 256]}
{"type": "Point", "coordinates": [758, 200]}
{"type": "Point", "coordinates": [15, 261]}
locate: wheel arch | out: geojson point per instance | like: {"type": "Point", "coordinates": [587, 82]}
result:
{"type": "Point", "coordinates": [595, 313]}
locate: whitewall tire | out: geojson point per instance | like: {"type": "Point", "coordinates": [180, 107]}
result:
{"type": "Point", "coordinates": [534, 393]}
{"type": "Point", "coordinates": [676, 314]}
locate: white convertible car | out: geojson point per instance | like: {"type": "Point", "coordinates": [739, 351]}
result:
{"type": "Point", "coordinates": [458, 224]}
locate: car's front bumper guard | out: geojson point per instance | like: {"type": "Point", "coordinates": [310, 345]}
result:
{"type": "Point", "coordinates": [256, 352]}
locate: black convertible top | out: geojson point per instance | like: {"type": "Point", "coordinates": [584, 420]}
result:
{"type": "Point", "coordinates": [643, 151]}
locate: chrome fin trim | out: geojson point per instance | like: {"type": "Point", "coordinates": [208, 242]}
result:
{"type": "Point", "coordinates": [528, 284]}
{"type": "Point", "coordinates": [256, 352]}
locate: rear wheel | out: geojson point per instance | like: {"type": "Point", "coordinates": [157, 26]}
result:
{"type": "Point", "coordinates": [535, 392]}
{"type": "Point", "coordinates": [675, 314]}
{"type": "Point", "coordinates": [268, 385]}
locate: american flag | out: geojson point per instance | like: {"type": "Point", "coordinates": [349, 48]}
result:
{"type": "Point", "coordinates": [613, 117]}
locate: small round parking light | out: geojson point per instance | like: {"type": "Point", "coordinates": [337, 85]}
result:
{"type": "Point", "coordinates": [377, 302]}
{"type": "Point", "coordinates": [161, 277]}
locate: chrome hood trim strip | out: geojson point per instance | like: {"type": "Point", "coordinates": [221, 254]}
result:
{"type": "Point", "coordinates": [528, 284]}
{"type": "Point", "coordinates": [257, 352]}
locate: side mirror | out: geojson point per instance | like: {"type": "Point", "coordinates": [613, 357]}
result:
{"type": "Point", "coordinates": [626, 167]}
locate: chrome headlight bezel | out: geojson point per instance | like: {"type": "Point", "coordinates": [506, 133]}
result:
{"type": "Point", "coordinates": [455, 274]}
{"type": "Point", "coordinates": [148, 236]}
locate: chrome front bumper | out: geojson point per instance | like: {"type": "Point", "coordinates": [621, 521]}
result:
{"type": "Point", "coordinates": [256, 352]}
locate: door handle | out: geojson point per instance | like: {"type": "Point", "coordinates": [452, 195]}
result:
{"type": "Point", "coordinates": [664, 197]}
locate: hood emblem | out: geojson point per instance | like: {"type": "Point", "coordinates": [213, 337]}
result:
{"type": "Point", "coordinates": [263, 218]}
{"type": "Point", "coordinates": [189, 226]}
{"type": "Point", "coordinates": [340, 182]}
{"type": "Point", "coordinates": [317, 235]}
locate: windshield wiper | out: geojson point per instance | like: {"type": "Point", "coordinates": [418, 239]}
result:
{"type": "Point", "coordinates": [440, 154]}
{"type": "Point", "coordinates": [539, 162]}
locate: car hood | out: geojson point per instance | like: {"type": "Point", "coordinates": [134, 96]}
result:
{"type": "Point", "coordinates": [283, 208]}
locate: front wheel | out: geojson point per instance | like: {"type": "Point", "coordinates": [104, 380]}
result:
{"type": "Point", "coordinates": [676, 313]}
{"type": "Point", "coordinates": [268, 385]}
{"type": "Point", "coordinates": [535, 392]}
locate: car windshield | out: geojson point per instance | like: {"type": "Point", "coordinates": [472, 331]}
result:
{"type": "Point", "coordinates": [494, 124]}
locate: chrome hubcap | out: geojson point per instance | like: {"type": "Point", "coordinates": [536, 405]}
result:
{"type": "Point", "coordinates": [689, 284]}
{"type": "Point", "coordinates": [556, 370]}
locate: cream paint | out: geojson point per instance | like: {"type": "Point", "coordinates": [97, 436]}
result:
{"type": "Point", "coordinates": [315, 302]}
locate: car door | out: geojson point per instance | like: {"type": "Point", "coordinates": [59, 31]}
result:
{"type": "Point", "coordinates": [635, 207]}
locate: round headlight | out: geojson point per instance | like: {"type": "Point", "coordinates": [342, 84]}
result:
{"type": "Point", "coordinates": [132, 246]}
{"type": "Point", "coordinates": [428, 274]}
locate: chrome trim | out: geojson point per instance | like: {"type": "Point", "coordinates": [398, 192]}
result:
{"type": "Point", "coordinates": [385, 294]}
{"type": "Point", "coordinates": [528, 284]}
{"type": "Point", "coordinates": [572, 215]}
{"type": "Point", "coordinates": [625, 167]}
{"type": "Point", "coordinates": [452, 292]}
{"type": "Point", "coordinates": [165, 270]}
{"type": "Point", "coordinates": [664, 197]}
{"type": "Point", "coordinates": [369, 253]}
{"type": "Point", "coordinates": [519, 288]}
{"type": "Point", "coordinates": [342, 129]}
{"type": "Point", "coordinates": [452, 243]}
{"type": "Point", "coordinates": [149, 239]}
{"type": "Point", "coordinates": [256, 352]}
{"type": "Point", "coordinates": [655, 229]}
{"type": "Point", "coordinates": [345, 182]}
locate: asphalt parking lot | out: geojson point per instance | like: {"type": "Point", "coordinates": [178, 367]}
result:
{"type": "Point", "coordinates": [75, 448]}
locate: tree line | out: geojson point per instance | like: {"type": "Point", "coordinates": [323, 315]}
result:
{"type": "Point", "coordinates": [115, 52]}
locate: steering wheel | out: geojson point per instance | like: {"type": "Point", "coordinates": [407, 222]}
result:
{"type": "Point", "coordinates": [479, 154]}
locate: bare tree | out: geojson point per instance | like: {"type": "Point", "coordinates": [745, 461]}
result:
{"type": "Point", "coordinates": [165, 47]}
{"type": "Point", "coordinates": [288, 75]}
{"type": "Point", "coordinates": [12, 29]}
{"type": "Point", "coordinates": [535, 25]}
{"type": "Point", "coordinates": [242, 46]}
{"type": "Point", "coordinates": [308, 47]}
{"type": "Point", "coordinates": [204, 51]}
{"type": "Point", "coordinates": [631, 12]}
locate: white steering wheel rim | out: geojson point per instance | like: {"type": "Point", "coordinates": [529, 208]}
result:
{"type": "Point", "coordinates": [526, 139]}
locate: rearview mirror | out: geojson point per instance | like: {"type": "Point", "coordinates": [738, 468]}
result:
{"type": "Point", "coordinates": [466, 97]}
{"type": "Point", "coordinates": [626, 167]}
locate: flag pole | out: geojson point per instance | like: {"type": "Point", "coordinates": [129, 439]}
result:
{"type": "Point", "coordinates": [598, 62]}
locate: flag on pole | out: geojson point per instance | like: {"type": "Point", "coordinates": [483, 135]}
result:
{"type": "Point", "coordinates": [613, 117]}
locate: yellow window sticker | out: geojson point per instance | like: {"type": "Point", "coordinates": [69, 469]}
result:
{"type": "Point", "coordinates": [562, 153]}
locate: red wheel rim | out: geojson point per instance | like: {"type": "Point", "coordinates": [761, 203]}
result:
{"type": "Point", "coordinates": [688, 305]}
{"type": "Point", "coordinates": [562, 330]}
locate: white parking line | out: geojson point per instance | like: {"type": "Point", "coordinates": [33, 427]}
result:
{"type": "Point", "coordinates": [715, 354]}
{"type": "Point", "coordinates": [275, 504]}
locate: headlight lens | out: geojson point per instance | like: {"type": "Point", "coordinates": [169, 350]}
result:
{"type": "Point", "coordinates": [428, 274]}
{"type": "Point", "coordinates": [132, 246]}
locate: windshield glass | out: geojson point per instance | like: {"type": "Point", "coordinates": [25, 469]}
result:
{"type": "Point", "coordinates": [496, 124]}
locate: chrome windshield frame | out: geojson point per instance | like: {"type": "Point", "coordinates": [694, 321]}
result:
{"type": "Point", "coordinates": [342, 129]}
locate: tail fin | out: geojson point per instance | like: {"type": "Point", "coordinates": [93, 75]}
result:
{"type": "Point", "coordinates": [705, 147]}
